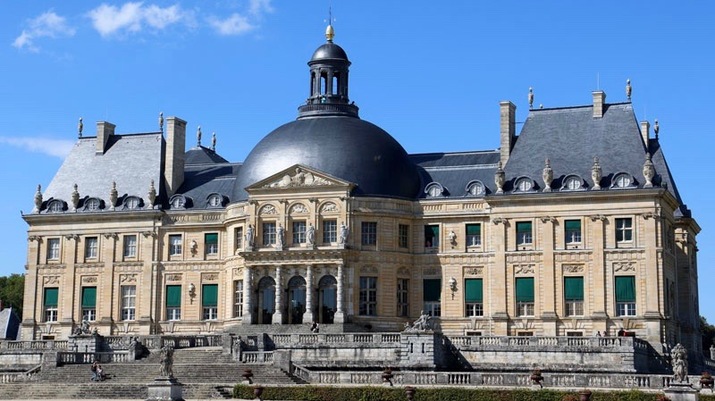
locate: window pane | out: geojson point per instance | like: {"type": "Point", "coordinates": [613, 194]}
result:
{"type": "Point", "coordinates": [130, 246]}
{"type": "Point", "coordinates": [89, 297]}
{"type": "Point", "coordinates": [330, 231]}
{"type": "Point", "coordinates": [474, 234]}
{"type": "Point", "coordinates": [625, 289]}
{"type": "Point", "coordinates": [298, 232]}
{"type": "Point", "coordinates": [369, 233]}
{"type": "Point", "coordinates": [431, 236]}
{"type": "Point", "coordinates": [173, 295]}
{"type": "Point", "coordinates": [432, 290]}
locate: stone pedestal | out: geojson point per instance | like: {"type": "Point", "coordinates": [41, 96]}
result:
{"type": "Point", "coordinates": [164, 389]}
{"type": "Point", "coordinates": [681, 392]}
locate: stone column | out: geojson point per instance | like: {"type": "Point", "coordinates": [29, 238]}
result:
{"type": "Point", "coordinates": [247, 296]}
{"type": "Point", "coordinates": [548, 279]}
{"type": "Point", "coordinates": [308, 315]}
{"type": "Point", "coordinates": [340, 314]}
{"type": "Point", "coordinates": [278, 313]}
{"type": "Point", "coordinates": [598, 277]}
{"type": "Point", "coordinates": [496, 291]}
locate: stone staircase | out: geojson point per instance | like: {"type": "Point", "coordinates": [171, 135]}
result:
{"type": "Point", "coordinates": [205, 373]}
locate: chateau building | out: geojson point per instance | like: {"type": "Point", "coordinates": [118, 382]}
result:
{"type": "Point", "coordinates": [573, 227]}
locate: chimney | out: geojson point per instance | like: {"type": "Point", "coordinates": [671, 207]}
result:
{"type": "Point", "coordinates": [174, 159]}
{"type": "Point", "coordinates": [104, 131]}
{"type": "Point", "coordinates": [645, 132]}
{"type": "Point", "coordinates": [599, 103]}
{"type": "Point", "coordinates": [507, 129]}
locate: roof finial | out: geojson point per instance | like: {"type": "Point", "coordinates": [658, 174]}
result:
{"type": "Point", "coordinates": [531, 98]}
{"type": "Point", "coordinates": [656, 128]}
{"type": "Point", "coordinates": [80, 127]}
{"type": "Point", "coordinates": [213, 141]}
{"type": "Point", "coordinates": [329, 31]}
{"type": "Point", "coordinates": [629, 89]}
{"type": "Point", "coordinates": [198, 136]}
{"type": "Point", "coordinates": [161, 121]}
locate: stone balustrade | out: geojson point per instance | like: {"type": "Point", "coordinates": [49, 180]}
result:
{"type": "Point", "coordinates": [64, 358]}
{"type": "Point", "coordinates": [257, 357]}
{"type": "Point", "coordinates": [33, 345]}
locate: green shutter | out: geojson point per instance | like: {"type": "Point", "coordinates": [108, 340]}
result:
{"type": "Point", "coordinates": [209, 294]}
{"type": "Point", "coordinates": [573, 225]}
{"type": "Point", "coordinates": [173, 296]}
{"type": "Point", "coordinates": [432, 290]}
{"type": "Point", "coordinates": [525, 289]}
{"type": "Point", "coordinates": [473, 229]}
{"type": "Point", "coordinates": [523, 227]}
{"type": "Point", "coordinates": [573, 288]}
{"type": "Point", "coordinates": [211, 238]}
{"type": "Point", "coordinates": [431, 231]}
{"type": "Point", "coordinates": [89, 297]}
{"type": "Point", "coordinates": [473, 290]}
{"type": "Point", "coordinates": [51, 296]}
{"type": "Point", "coordinates": [625, 289]}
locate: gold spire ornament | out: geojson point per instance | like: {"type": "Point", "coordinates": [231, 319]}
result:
{"type": "Point", "coordinates": [329, 31]}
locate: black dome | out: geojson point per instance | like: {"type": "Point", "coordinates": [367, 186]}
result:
{"type": "Point", "coordinates": [345, 147]}
{"type": "Point", "coordinates": [329, 51]}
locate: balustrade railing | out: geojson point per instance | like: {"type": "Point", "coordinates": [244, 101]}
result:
{"type": "Point", "coordinates": [257, 357]}
{"type": "Point", "coordinates": [33, 345]}
{"type": "Point", "coordinates": [66, 358]}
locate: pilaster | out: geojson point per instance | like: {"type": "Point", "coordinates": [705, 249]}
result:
{"type": "Point", "coordinates": [278, 313]}
{"type": "Point", "coordinates": [340, 313]}
{"type": "Point", "coordinates": [308, 314]}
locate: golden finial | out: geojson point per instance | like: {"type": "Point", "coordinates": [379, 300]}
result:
{"type": "Point", "coordinates": [629, 89]}
{"type": "Point", "coordinates": [329, 31]}
{"type": "Point", "coordinates": [531, 98]}
{"type": "Point", "coordinates": [80, 127]}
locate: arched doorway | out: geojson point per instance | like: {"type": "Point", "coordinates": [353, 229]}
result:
{"type": "Point", "coordinates": [266, 300]}
{"type": "Point", "coordinates": [327, 299]}
{"type": "Point", "coordinates": [296, 300]}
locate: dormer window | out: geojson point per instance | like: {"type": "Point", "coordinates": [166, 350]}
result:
{"type": "Point", "coordinates": [55, 206]}
{"type": "Point", "coordinates": [434, 190]}
{"type": "Point", "coordinates": [524, 184]}
{"type": "Point", "coordinates": [475, 188]}
{"type": "Point", "coordinates": [215, 200]}
{"type": "Point", "coordinates": [572, 183]}
{"type": "Point", "coordinates": [132, 202]}
{"type": "Point", "coordinates": [622, 180]}
{"type": "Point", "coordinates": [177, 202]}
{"type": "Point", "coordinates": [92, 204]}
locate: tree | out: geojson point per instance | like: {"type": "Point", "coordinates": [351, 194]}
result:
{"type": "Point", "coordinates": [707, 331]}
{"type": "Point", "coordinates": [12, 290]}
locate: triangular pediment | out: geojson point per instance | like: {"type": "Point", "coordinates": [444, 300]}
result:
{"type": "Point", "coordinates": [299, 176]}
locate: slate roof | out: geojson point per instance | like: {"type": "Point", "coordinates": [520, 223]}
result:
{"type": "Point", "coordinates": [455, 170]}
{"type": "Point", "coordinates": [206, 173]}
{"type": "Point", "coordinates": [9, 324]}
{"type": "Point", "coordinates": [132, 161]}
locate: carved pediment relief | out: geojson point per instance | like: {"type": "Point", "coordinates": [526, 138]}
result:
{"type": "Point", "coordinates": [570, 268]}
{"type": "Point", "coordinates": [523, 269]}
{"type": "Point", "coordinates": [624, 266]}
{"type": "Point", "coordinates": [298, 176]}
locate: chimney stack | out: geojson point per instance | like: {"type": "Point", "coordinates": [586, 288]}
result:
{"type": "Point", "coordinates": [599, 103]}
{"type": "Point", "coordinates": [174, 159]}
{"type": "Point", "coordinates": [507, 129]}
{"type": "Point", "coordinates": [104, 131]}
{"type": "Point", "coordinates": [645, 132]}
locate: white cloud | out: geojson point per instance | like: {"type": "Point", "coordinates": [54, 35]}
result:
{"type": "Point", "coordinates": [132, 17]}
{"type": "Point", "coordinates": [48, 25]}
{"type": "Point", "coordinates": [258, 7]}
{"type": "Point", "coordinates": [236, 24]}
{"type": "Point", "coordinates": [51, 147]}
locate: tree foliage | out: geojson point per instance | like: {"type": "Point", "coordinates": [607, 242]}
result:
{"type": "Point", "coordinates": [707, 332]}
{"type": "Point", "coordinates": [12, 290]}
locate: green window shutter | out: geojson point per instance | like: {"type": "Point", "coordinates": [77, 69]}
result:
{"type": "Point", "coordinates": [525, 289]}
{"type": "Point", "coordinates": [173, 296]}
{"type": "Point", "coordinates": [209, 294]}
{"type": "Point", "coordinates": [523, 227]}
{"type": "Point", "coordinates": [431, 231]}
{"type": "Point", "coordinates": [473, 291]}
{"type": "Point", "coordinates": [573, 225]}
{"type": "Point", "coordinates": [432, 290]}
{"type": "Point", "coordinates": [211, 238]}
{"type": "Point", "coordinates": [473, 229]}
{"type": "Point", "coordinates": [625, 289]}
{"type": "Point", "coordinates": [573, 288]}
{"type": "Point", "coordinates": [89, 297]}
{"type": "Point", "coordinates": [51, 296]}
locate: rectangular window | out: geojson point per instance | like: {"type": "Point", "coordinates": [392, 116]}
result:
{"type": "Point", "coordinates": [211, 243]}
{"type": "Point", "coordinates": [473, 297]}
{"type": "Point", "coordinates": [474, 234]}
{"type": "Point", "coordinates": [573, 296]}
{"type": "Point", "coordinates": [369, 233]}
{"type": "Point", "coordinates": [51, 304]}
{"type": "Point", "coordinates": [53, 249]}
{"type": "Point", "coordinates": [91, 245]}
{"type": "Point", "coordinates": [174, 245]}
{"type": "Point", "coordinates": [525, 296]}
{"type": "Point", "coordinates": [299, 232]}
{"type": "Point", "coordinates": [239, 238]}
{"type": "Point", "coordinates": [238, 298]}
{"type": "Point", "coordinates": [432, 237]}
{"type": "Point", "coordinates": [173, 302]}
{"type": "Point", "coordinates": [625, 296]}
{"type": "Point", "coordinates": [432, 296]}
{"type": "Point", "coordinates": [624, 230]}
{"type": "Point", "coordinates": [572, 229]}
{"type": "Point", "coordinates": [368, 296]}
{"type": "Point", "coordinates": [269, 233]}
{"type": "Point", "coordinates": [403, 297]}
{"type": "Point", "coordinates": [523, 233]}
{"type": "Point", "coordinates": [330, 231]}
{"type": "Point", "coordinates": [403, 236]}
{"type": "Point", "coordinates": [89, 304]}
{"type": "Point", "coordinates": [129, 302]}
{"type": "Point", "coordinates": [209, 301]}
{"type": "Point", "coordinates": [130, 246]}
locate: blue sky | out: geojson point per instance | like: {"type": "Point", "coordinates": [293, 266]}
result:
{"type": "Point", "coordinates": [430, 73]}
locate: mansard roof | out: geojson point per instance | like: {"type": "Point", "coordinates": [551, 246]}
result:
{"type": "Point", "coordinates": [454, 171]}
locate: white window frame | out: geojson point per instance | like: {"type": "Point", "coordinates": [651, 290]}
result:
{"type": "Point", "coordinates": [129, 299]}
{"type": "Point", "coordinates": [91, 247]}
{"type": "Point", "coordinates": [53, 249]}
{"type": "Point", "coordinates": [130, 246]}
{"type": "Point", "coordinates": [175, 244]}
{"type": "Point", "coordinates": [238, 298]}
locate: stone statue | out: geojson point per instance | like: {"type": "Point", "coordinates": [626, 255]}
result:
{"type": "Point", "coordinates": [344, 233]}
{"type": "Point", "coordinates": [213, 141]}
{"type": "Point", "coordinates": [75, 197]}
{"type": "Point", "coordinates": [547, 175]}
{"type": "Point", "coordinates": [499, 178]}
{"type": "Point", "coordinates": [151, 196]}
{"type": "Point", "coordinates": [161, 121]}
{"type": "Point", "coordinates": [423, 323]}
{"type": "Point", "coordinates": [310, 235]}
{"type": "Point", "coordinates": [596, 174]}
{"type": "Point", "coordinates": [249, 238]}
{"type": "Point", "coordinates": [531, 98]}
{"type": "Point", "coordinates": [198, 136]}
{"type": "Point", "coordinates": [280, 233]}
{"type": "Point", "coordinates": [679, 359]}
{"type": "Point", "coordinates": [167, 361]}
{"type": "Point", "coordinates": [84, 327]}
{"type": "Point", "coordinates": [648, 171]}
{"type": "Point", "coordinates": [113, 195]}
{"type": "Point", "coordinates": [38, 200]}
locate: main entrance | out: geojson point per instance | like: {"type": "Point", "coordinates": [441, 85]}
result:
{"type": "Point", "coordinates": [296, 299]}
{"type": "Point", "coordinates": [266, 300]}
{"type": "Point", "coordinates": [327, 299]}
